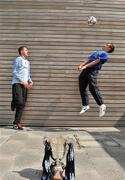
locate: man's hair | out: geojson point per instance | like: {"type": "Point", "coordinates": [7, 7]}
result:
{"type": "Point", "coordinates": [112, 48]}
{"type": "Point", "coordinates": [20, 49]}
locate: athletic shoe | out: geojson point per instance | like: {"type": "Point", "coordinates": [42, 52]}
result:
{"type": "Point", "coordinates": [15, 127]}
{"type": "Point", "coordinates": [102, 110]}
{"type": "Point", "coordinates": [84, 109]}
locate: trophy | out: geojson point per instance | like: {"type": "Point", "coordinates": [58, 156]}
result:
{"type": "Point", "coordinates": [58, 161]}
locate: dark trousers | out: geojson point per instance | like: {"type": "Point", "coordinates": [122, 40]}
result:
{"type": "Point", "coordinates": [19, 97]}
{"type": "Point", "coordinates": [88, 77]}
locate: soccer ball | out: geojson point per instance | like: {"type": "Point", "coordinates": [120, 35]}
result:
{"type": "Point", "coordinates": [92, 20]}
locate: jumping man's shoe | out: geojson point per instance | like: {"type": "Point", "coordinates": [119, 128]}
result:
{"type": "Point", "coordinates": [102, 110]}
{"type": "Point", "coordinates": [84, 109]}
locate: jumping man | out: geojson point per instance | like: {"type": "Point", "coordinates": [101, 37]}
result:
{"type": "Point", "coordinates": [88, 76]}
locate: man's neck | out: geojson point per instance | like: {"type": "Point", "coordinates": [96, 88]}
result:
{"type": "Point", "coordinates": [23, 57]}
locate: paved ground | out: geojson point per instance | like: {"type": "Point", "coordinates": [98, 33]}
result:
{"type": "Point", "coordinates": [99, 152]}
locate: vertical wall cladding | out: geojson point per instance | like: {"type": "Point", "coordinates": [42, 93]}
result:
{"type": "Point", "coordinates": [58, 38]}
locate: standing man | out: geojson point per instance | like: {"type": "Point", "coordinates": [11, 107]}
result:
{"type": "Point", "coordinates": [21, 82]}
{"type": "Point", "coordinates": [88, 76]}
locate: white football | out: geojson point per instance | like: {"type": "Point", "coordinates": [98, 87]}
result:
{"type": "Point", "coordinates": [92, 20]}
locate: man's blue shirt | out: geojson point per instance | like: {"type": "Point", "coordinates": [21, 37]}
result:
{"type": "Point", "coordinates": [103, 56]}
{"type": "Point", "coordinates": [21, 70]}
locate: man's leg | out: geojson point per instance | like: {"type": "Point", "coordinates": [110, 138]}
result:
{"type": "Point", "coordinates": [25, 91]}
{"type": "Point", "coordinates": [83, 82]}
{"type": "Point", "coordinates": [18, 115]}
{"type": "Point", "coordinates": [96, 93]}
{"type": "Point", "coordinates": [19, 102]}
{"type": "Point", "coordinates": [94, 89]}
{"type": "Point", "coordinates": [13, 105]}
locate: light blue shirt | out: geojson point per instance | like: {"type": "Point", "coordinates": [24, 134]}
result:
{"type": "Point", "coordinates": [21, 70]}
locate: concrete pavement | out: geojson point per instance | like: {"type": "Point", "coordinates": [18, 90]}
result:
{"type": "Point", "coordinates": [99, 152]}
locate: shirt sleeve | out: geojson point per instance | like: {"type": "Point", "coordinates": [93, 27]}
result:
{"type": "Point", "coordinates": [103, 55]}
{"type": "Point", "coordinates": [29, 78]}
{"type": "Point", "coordinates": [16, 68]}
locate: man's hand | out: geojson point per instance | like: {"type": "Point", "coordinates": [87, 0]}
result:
{"type": "Point", "coordinates": [84, 67]}
{"type": "Point", "coordinates": [30, 86]}
{"type": "Point", "coordinates": [25, 83]}
{"type": "Point", "coordinates": [80, 68]}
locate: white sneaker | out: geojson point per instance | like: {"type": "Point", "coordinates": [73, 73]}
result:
{"type": "Point", "coordinates": [84, 109]}
{"type": "Point", "coordinates": [102, 110]}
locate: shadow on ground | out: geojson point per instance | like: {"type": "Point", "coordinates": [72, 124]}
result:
{"type": "Point", "coordinates": [29, 173]}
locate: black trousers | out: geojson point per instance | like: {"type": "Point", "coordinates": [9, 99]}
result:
{"type": "Point", "coordinates": [19, 97]}
{"type": "Point", "coordinates": [88, 77]}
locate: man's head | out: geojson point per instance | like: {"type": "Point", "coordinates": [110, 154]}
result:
{"type": "Point", "coordinates": [109, 48]}
{"type": "Point", "coordinates": [23, 51]}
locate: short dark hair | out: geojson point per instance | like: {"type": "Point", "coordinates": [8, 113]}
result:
{"type": "Point", "coordinates": [112, 48]}
{"type": "Point", "coordinates": [20, 49]}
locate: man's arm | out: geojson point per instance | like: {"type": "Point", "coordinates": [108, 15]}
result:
{"type": "Point", "coordinates": [83, 64]}
{"type": "Point", "coordinates": [90, 64]}
{"type": "Point", "coordinates": [16, 65]}
{"type": "Point", "coordinates": [30, 82]}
